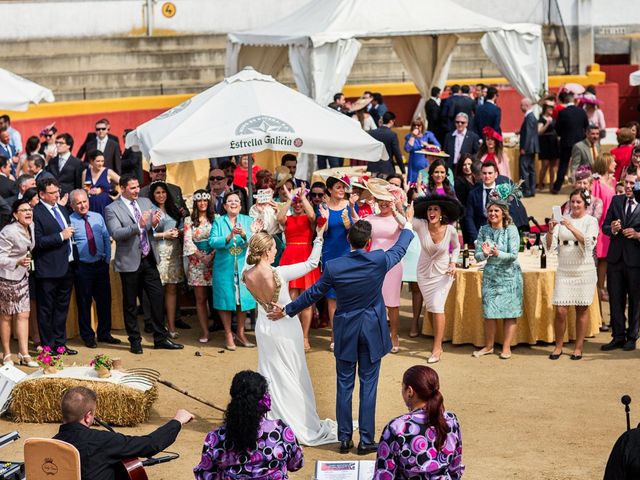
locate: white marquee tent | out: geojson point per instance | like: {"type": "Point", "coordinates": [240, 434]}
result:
{"type": "Point", "coordinates": [320, 42]}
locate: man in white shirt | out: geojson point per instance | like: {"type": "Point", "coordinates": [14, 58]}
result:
{"type": "Point", "coordinates": [461, 140]}
{"type": "Point", "coordinates": [105, 143]}
{"type": "Point", "coordinates": [54, 256]}
{"type": "Point", "coordinates": [14, 135]}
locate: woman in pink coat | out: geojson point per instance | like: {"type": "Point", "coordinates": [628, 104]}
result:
{"type": "Point", "coordinates": [385, 231]}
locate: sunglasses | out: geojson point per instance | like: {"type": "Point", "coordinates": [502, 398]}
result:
{"type": "Point", "coordinates": [461, 123]}
{"type": "Point", "coordinates": [216, 179]}
{"type": "Point", "coordinates": [162, 170]}
{"type": "Point", "coordinates": [49, 135]}
{"type": "Point", "coordinates": [316, 195]}
{"type": "Point", "coordinates": [100, 129]}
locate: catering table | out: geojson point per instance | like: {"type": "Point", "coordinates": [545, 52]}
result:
{"type": "Point", "coordinates": [463, 310]}
{"type": "Point", "coordinates": [117, 317]}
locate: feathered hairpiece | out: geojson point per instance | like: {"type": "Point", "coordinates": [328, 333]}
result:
{"type": "Point", "coordinates": [505, 193]}
{"type": "Point", "coordinates": [582, 172]}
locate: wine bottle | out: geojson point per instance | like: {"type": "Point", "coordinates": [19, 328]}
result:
{"type": "Point", "coordinates": [31, 267]}
{"type": "Point", "coordinates": [543, 257]}
{"type": "Point", "coordinates": [465, 257]}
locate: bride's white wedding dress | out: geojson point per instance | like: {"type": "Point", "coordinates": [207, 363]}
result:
{"type": "Point", "coordinates": [282, 361]}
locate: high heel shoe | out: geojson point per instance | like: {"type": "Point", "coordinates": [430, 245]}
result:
{"type": "Point", "coordinates": [6, 360]}
{"type": "Point", "coordinates": [244, 343]}
{"type": "Point", "coordinates": [435, 357]}
{"type": "Point", "coordinates": [27, 361]}
{"type": "Point", "coordinates": [395, 348]}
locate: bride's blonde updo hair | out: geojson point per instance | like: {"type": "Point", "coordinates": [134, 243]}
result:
{"type": "Point", "coordinates": [259, 244]}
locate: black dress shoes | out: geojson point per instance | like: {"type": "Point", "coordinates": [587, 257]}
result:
{"type": "Point", "coordinates": [629, 346]}
{"type": "Point", "coordinates": [612, 345]}
{"type": "Point", "coordinates": [183, 325]}
{"type": "Point", "coordinates": [136, 348]}
{"type": "Point", "coordinates": [167, 344]}
{"type": "Point", "coordinates": [367, 448]}
{"type": "Point", "coordinates": [110, 340]}
{"type": "Point", "coordinates": [70, 351]}
{"type": "Point", "coordinates": [91, 343]}
{"type": "Point", "coordinates": [345, 446]}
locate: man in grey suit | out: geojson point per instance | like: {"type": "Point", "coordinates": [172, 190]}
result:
{"type": "Point", "coordinates": [130, 221]}
{"type": "Point", "coordinates": [586, 151]}
{"type": "Point", "coordinates": [529, 147]}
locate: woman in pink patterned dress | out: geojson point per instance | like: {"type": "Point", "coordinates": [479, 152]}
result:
{"type": "Point", "coordinates": [384, 234]}
{"type": "Point", "coordinates": [199, 255]}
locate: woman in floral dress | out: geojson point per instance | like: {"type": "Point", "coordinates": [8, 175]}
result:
{"type": "Point", "coordinates": [167, 235]}
{"type": "Point", "coordinates": [426, 442]}
{"type": "Point", "coordinates": [199, 255]}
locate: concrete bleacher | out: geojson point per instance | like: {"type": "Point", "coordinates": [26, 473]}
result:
{"type": "Point", "coordinates": [109, 67]}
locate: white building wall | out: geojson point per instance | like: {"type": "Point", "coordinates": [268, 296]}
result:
{"type": "Point", "coordinates": [53, 19]}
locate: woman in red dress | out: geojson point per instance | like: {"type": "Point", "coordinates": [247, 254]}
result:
{"type": "Point", "coordinates": [299, 225]}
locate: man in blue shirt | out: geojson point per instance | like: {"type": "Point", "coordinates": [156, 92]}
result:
{"type": "Point", "coordinates": [92, 277]}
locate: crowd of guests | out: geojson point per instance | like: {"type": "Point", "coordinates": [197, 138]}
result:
{"type": "Point", "coordinates": [456, 171]}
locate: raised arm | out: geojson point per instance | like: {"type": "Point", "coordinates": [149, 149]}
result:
{"type": "Point", "coordinates": [311, 295]}
{"type": "Point", "coordinates": [291, 272]}
{"type": "Point", "coordinates": [399, 249]}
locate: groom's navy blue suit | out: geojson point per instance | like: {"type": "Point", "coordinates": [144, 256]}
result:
{"type": "Point", "coordinates": [359, 326]}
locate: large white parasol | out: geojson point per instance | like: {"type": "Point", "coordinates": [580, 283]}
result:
{"type": "Point", "coordinates": [16, 92]}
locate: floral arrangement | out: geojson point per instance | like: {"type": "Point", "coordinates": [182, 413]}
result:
{"type": "Point", "coordinates": [47, 360]}
{"type": "Point", "coordinates": [101, 361]}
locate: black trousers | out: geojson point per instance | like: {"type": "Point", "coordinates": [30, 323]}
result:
{"type": "Point", "coordinates": [622, 284]}
{"type": "Point", "coordinates": [146, 279]}
{"type": "Point", "coordinates": [53, 296]}
{"type": "Point", "coordinates": [563, 166]}
{"type": "Point", "coordinates": [92, 283]}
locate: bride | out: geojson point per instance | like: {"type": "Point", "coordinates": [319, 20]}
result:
{"type": "Point", "coordinates": [281, 357]}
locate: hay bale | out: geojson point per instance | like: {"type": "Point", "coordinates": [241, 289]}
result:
{"type": "Point", "coordinates": [38, 401]}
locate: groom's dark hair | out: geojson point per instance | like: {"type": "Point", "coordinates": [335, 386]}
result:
{"type": "Point", "coordinates": [359, 234]}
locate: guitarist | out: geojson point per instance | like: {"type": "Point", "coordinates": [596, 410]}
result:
{"type": "Point", "coordinates": [102, 451]}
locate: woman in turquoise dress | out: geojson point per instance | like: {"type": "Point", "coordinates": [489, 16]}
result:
{"type": "Point", "coordinates": [498, 243]}
{"type": "Point", "coordinates": [229, 237]}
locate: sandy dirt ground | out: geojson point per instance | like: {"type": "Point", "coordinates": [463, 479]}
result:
{"type": "Point", "coordinates": [526, 418]}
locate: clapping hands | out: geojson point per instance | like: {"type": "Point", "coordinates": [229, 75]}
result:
{"type": "Point", "coordinates": [257, 226]}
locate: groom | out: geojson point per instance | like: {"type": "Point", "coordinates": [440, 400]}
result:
{"type": "Point", "coordinates": [360, 325]}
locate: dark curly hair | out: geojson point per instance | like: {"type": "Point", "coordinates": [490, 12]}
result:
{"type": "Point", "coordinates": [243, 415]}
{"type": "Point", "coordinates": [170, 204]}
{"type": "Point", "coordinates": [445, 183]}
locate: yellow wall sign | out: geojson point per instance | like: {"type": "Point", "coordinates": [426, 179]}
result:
{"type": "Point", "coordinates": [168, 9]}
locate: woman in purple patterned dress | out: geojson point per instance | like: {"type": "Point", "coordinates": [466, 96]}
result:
{"type": "Point", "coordinates": [426, 442]}
{"type": "Point", "coordinates": [247, 445]}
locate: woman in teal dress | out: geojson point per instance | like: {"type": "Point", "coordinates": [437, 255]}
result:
{"type": "Point", "coordinates": [498, 243]}
{"type": "Point", "coordinates": [229, 237]}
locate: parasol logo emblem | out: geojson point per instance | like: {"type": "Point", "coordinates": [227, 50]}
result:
{"type": "Point", "coordinates": [48, 467]}
{"type": "Point", "coordinates": [262, 131]}
{"type": "Point", "coordinates": [174, 111]}
{"type": "Point", "coordinates": [263, 124]}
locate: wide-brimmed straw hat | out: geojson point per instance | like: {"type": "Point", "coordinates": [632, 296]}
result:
{"type": "Point", "coordinates": [341, 177]}
{"type": "Point", "coordinates": [379, 188]}
{"type": "Point", "coordinates": [450, 207]}
{"type": "Point", "coordinates": [282, 175]}
{"type": "Point", "coordinates": [434, 151]}
{"type": "Point", "coordinates": [359, 104]}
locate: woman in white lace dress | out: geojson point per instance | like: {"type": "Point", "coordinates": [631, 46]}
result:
{"type": "Point", "coordinates": [574, 237]}
{"type": "Point", "coordinates": [281, 357]}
